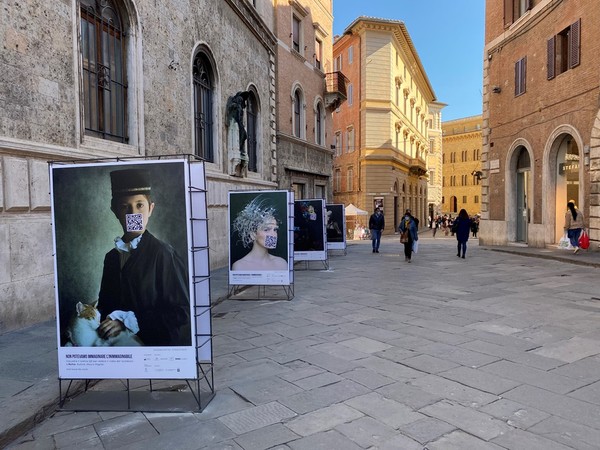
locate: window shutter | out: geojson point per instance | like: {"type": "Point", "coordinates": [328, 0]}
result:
{"type": "Point", "coordinates": [551, 57]}
{"type": "Point", "coordinates": [574, 39]}
{"type": "Point", "coordinates": [508, 12]}
{"type": "Point", "coordinates": [524, 75]}
{"type": "Point", "coordinates": [517, 77]}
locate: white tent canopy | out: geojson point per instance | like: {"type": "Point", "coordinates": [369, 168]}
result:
{"type": "Point", "coordinates": [352, 210]}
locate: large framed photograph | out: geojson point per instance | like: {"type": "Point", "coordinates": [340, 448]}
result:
{"type": "Point", "coordinates": [335, 226]}
{"type": "Point", "coordinates": [124, 295]}
{"type": "Point", "coordinates": [259, 238]}
{"type": "Point", "coordinates": [309, 230]}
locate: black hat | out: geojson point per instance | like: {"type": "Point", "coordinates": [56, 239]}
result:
{"type": "Point", "coordinates": [130, 182]}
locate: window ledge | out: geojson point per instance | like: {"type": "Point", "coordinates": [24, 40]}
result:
{"type": "Point", "coordinates": [298, 55]}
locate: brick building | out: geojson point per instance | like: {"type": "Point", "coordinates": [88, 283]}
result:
{"type": "Point", "coordinates": [541, 123]}
{"type": "Point", "coordinates": [90, 79]}
{"type": "Point", "coordinates": [382, 130]}
{"type": "Point", "coordinates": [462, 165]}
{"type": "Point", "coordinates": [307, 90]}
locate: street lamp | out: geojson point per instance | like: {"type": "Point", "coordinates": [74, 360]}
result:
{"type": "Point", "coordinates": [478, 174]}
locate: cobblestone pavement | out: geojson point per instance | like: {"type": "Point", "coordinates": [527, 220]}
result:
{"type": "Point", "coordinates": [495, 351]}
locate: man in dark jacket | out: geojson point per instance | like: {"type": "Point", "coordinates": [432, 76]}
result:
{"type": "Point", "coordinates": [376, 225]}
{"type": "Point", "coordinates": [144, 282]}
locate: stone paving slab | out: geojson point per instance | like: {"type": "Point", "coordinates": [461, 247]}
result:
{"type": "Point", "coordinates": [467, 419]}
{"type": "Point", "coordinates": [571, 434]}
{"type": "Point", "coordinates": [257, 417]}
{"type": "Point", "coordinates": [323, 419]}
{"type": "Point", "coordinates": [363, 358]}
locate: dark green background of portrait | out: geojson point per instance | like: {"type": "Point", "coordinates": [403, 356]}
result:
{"type": "Point", "coordinates": [277, 199]}
{"type": "Point", "coordinates": [85, 226]}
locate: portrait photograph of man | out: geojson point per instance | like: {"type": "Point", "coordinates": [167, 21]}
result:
{"type": "Point", "coordinates": [122, 254]}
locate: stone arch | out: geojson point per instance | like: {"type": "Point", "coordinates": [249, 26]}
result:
{"type": "Point", "coordinates": [553, 145]}
{"type": "Point", "coordinates": [510, 191]}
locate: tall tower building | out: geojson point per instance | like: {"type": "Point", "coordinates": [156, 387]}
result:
{"type": "Point", "coordinates": [382, 130]}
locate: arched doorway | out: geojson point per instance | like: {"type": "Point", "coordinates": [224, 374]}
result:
{"type": "Point", "coordinates": [562, 174]}
{"type": "Point", "coordinates": [567, 180]}
{"type": "Point", "coordinates": [523, 191]}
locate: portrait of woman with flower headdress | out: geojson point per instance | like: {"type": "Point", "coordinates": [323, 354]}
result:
{"type": "Point", "coordinates": [258, 230]}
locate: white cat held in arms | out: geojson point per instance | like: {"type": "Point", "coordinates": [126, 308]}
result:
{"type": "Point", "coordinates": [83, 330]}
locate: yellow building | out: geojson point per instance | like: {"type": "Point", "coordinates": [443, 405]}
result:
{"type": "Point", "coordinates": [435, 159]}
{"type": "Point", "coordinates": [462, 142]}
{"type": "Point", "coordinates": [381, 132]}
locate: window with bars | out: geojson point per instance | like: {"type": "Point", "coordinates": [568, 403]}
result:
{"type": "Point", "coordinates": [203, 106]}
{"type": "Point", "coordinates": [104, 70]}
{"type": "Point", "coordinates": [520, 76]}
{"type": "Point", "coordinates": [563, 50]}
{"type": "Point", "coordinates": [320, 125]}
{"type": "Point", "coordinates": [252, 130]}
{"type": "Point", "coordinates": [297, 113]}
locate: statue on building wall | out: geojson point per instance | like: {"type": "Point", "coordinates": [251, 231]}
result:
{"type": "Point", "coordinates": [236, 134]}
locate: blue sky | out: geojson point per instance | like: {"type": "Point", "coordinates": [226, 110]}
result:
{"type": "Point", "coordinates": [448, 36]}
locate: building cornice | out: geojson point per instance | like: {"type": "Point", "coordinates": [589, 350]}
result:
{"type": "Point", "coordinates": [254, 22]}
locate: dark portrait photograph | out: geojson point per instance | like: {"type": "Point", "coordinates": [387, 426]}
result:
{"type": "Point", "coordinates": [121, 254]}
{"type": "Point", "coordinates": [334, 223]}
{"type": "Point", "coordinates": [308, 226]}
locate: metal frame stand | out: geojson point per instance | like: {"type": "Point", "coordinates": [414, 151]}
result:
{"type": "Point", "coordinates": [234, 292]}
{"type": "Point", "coordinates": [161, 395]}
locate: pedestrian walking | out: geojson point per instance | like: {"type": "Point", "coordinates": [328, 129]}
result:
{"type": "Point", "coordinates": [475, 226]}
{"type": "Point", "coordinates": [408, 234]}
{"type": "Point", "coordinates": [573, 224]}
{"type": "Point", "coordinates": [462, 227]}
{"type": "Point", "coordinates": [376, 225]}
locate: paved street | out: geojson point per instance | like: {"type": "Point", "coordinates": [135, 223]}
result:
{"type": "Point", "coordinates": [497, 351]}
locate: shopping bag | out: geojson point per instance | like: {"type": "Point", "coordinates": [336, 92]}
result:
{"type": "Point", "coordinates": [584, 240]}
{"type": "Point", "coordinates": [565, 243]}
{"type": "Point", "coordinates": [415, 247]}
{"type": "Point", "coordinates": [404, 237]}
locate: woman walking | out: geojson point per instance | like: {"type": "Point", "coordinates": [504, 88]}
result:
{"type": "Point", "coordinates": [573, 224]}
{"type": "Point", "coordinates": [408, 233]}
{"type": "Point", "coordinates": [462, 225]}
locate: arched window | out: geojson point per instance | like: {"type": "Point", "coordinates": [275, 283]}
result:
{"type": "Point", "coordinates": [319, 124]}
{"type": "Point", "coordinates": [104, 70]}
{"type": "Point", "coordinates": [297, 113]}
{"type": "Point", "coordinates": [252, 126]}
{"type": "Point", "coordinates": [203, 106]}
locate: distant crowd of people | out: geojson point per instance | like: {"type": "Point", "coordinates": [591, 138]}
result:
{"type": "Point", "coordinates": [445, 223]}
{"type": "Point", "coordinates": [461, 226]}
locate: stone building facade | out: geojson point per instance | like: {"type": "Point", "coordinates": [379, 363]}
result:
{"type": "Point", "coordinates": [435, 167]}
{"type": "Point", "coordinates": [541, 121]}
{"type": "Point", "coordinates": [383, 128]}
{"type": "Point", "coordinates": [462, 165]}
{"type": "Point", "coordinates": [159, 85]}
{"type": "Point", "coordinates": [304, 96]}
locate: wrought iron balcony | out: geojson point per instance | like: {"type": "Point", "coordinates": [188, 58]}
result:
{"type": "Point", "coordinates": [335, 89]}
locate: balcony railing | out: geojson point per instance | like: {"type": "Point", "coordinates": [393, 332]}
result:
{"type": "Point", "coordinates": [335, 89]}
{"type": "Point", "coordinates": [418, 167]}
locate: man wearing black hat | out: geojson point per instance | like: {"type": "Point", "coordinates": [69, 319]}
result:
{"type": "Point", "coordinates": [144, 282]}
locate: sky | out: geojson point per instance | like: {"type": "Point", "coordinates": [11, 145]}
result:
{"type": "Point", "coordinates": [448, 36]}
